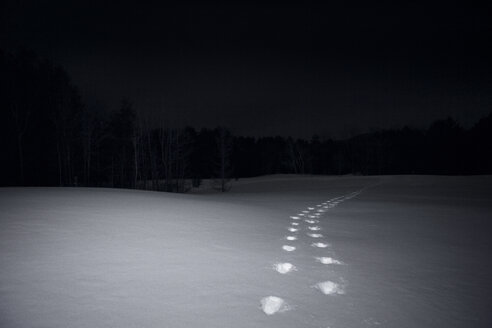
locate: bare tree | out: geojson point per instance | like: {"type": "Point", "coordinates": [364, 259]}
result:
{"type": "Point", "coordinates": [175, 145]}
{"type": "Point", "coordinates": [63, 118]}
{"type": "Point", "coordinates": [136, 140]}
{"type": "Point", "coordinates": [296, 156]}
{"type": "Point", "coordinates": [21, 119]}
{"type": "Point", "coordinates": [91, 137]}
{"type": "Point", "coordinates": [152, 156]}
{"type": "Point", "coordinates": [224, 152]}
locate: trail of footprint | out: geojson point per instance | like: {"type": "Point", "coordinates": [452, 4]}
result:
{"type": "Point", "coordinates": [273, 304]}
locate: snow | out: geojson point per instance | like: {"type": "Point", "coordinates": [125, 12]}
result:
{"type": "Point", "coordinates": [273, 304]}
{"type": "Point", "coordinates": [284, 268]}
{"type": "Point", "coordinates": [320, 245]}
{"type": "Point", "coordinates": [416, 253]}
{"type": "Point", "coordinates": [327, 260]}
{"type": "Point", "coordinates": [330, 288]}
{"type": "Point", "coordinates": [288, 248]}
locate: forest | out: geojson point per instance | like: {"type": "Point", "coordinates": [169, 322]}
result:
{"type": "Point", "coordinates": [50, 137]}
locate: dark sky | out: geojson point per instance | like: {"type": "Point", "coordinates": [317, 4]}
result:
{"type": "Point", "coordinates": [265, 69]}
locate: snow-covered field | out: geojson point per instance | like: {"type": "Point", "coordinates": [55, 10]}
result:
{"type": "Point", "coordinates": [278, 251]}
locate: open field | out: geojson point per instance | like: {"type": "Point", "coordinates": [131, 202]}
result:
{"type": "Point", "coordinates": [401, 251]}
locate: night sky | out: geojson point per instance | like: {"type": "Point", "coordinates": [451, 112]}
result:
{"type": "Point", "coordinates": [264, 69]}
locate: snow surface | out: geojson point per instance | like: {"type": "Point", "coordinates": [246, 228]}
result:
{"type": "Point", "coordinates": [416, 253]}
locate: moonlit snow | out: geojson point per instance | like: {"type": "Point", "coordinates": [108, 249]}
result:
{"type": "Point", "coordinates": [415, 252]}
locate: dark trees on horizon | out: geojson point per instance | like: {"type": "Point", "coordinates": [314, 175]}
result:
{"type": "Point", "coordinates": [50, 138]}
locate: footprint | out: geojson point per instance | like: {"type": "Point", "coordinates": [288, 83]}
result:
{"type": "Point", "coordinates": [284, 268]}
{"type": "Point", "coordinates": [314, 228]}
{"type": "Point", "coordinates": [317, 215]}
{"type": "Point", "coordinates": [291, 237]}
{"type": "Point", "coordinates": [288, 248]}
{"type": "Point", "coordinates": [273, 304]}
{"type": "Point", "coordinates": [321, 211]}
{"type": "Point", "coordinates": [292, 229]}
{"type": "Point", "coordinates": [311, 221]}
{"type": "Point", "coordinates": [310, 208]}
{"type": "Point", "coordinates": [328, 260]}
{"type": "Point", "coordinates": [320, 245]}
{"type": "Point", "coordinates": [305, 212]}
{"type": "Point", "coordinates": [301, 214]}
{"type": "Point", "coordinates": [295, 218]}
{"type": "Point", "coordinates": [312, 216]}
{"type": "Point", "coordinates": [330, 288]}
{"type": "Point", "coordinates": [315, 235]}
{"type": "Point", "coordinates": [295, 223]}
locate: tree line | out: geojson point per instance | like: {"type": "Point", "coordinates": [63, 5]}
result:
{"type": "Point", "coordinates": [50, 137]}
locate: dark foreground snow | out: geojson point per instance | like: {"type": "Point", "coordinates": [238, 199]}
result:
{"type": "Point", "coordinates": [274, 252]}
